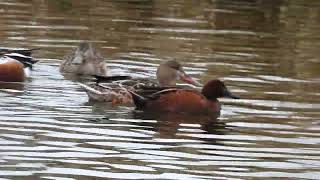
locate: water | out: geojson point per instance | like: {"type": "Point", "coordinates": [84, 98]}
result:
{"type": "Point", "coordinates": [267, 52]}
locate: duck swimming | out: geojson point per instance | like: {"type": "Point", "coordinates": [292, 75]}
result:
{"type": "Point", "coordinates": [85, 60]}
{"type": "Point", "coordinates": [178, 100]}
{"type": "Point", "coordinates": [116, 91]}
{"type": "Point", "coordinates": [15, 64]}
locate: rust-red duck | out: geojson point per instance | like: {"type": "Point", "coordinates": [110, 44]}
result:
{"type": "Point", "coordinates": [184, 100]}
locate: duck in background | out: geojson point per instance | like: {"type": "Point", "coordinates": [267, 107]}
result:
{"type": "Point", "coordinates": [178, 100]}
{"type": "Point", "coordinates": [115, 88]}
{"type": "Point", "coordinates": [15, 64]}
{"type": "Point", "coordinates": [84, 60]}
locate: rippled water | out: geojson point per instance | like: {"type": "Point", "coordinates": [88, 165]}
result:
{"type": "Point", "coordinates": [267, 52]}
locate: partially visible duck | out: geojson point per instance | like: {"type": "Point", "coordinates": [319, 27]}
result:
{"type": "Point", "coordinates": [115, 90]}
{"type": "Point", "coordinates": [178, 100]}
{"type": "Point", "coordinates": [169, 72]}
{"type": "Point", "coordinates": [85, 60]}
{"type": "Point", "coordinates": [15, 64]}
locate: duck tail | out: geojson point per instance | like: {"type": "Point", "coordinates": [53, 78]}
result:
{"type": "Point", "coordinates": [88, 88]}
{"type": "Point", "coordinates": [108, 79]}
{"type": "Point", "coordinates": [92, 93]}
{"type": "Point", "coordinates": [138, 100]}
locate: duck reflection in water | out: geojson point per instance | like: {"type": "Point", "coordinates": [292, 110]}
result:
{"type": "Point", "coordinates": [15, 88]}
{"type": "Point", "coordinates": [170, 125]}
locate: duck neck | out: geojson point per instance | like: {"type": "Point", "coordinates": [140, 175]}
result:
{"type": "Point", "coordinates": [214, 105]}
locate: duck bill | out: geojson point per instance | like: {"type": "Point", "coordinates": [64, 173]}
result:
{"type": "Point", "coordinates": [188, 79]}
{"type": "Point", "coordinates": [228, 94]}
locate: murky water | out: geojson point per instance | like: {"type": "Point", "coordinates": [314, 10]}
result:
{"type": "Point", "coordinates": [267, 52]}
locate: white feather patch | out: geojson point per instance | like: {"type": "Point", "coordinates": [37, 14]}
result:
{"type": "Point", "coordinates": [27, 72]}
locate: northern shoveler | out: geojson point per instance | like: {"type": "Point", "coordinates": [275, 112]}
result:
{"type": "Point", "coordinates": [184, 100]}
{"type": "Point", "coordinates": [116, 91]}
{"type": "Point", "coordinates": [85, 60]}
{"type": "Point", "coordinates": [15, 64]}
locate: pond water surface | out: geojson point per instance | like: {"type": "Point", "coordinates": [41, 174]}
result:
{"type": "Point", "coordinates": [267, 52]}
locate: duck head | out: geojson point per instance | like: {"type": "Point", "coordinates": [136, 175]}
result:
{"type": "Point", "coordinates": [169, 72]}
{"type": "Point", "coordinates": [215, 89]}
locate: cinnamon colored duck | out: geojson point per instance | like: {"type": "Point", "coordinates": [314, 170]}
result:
{"type": "Point", "coordinates": [15, 64]}
{"type": "Point", "coordinates": [84, 60]}
{"type": "Point", "coordinates": [189, 101]}
{"type": "Point", "coordinates": [116, 88]}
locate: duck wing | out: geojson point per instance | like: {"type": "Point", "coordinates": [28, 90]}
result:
{"type": "Point", "coordinates": [142, 96]}
{"type": "Point", "coordinates": [21, 55]}
{"type": "Point", "coordinates": [25, 52]}
{"type": "Point", "coordinates": [110, 79]}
